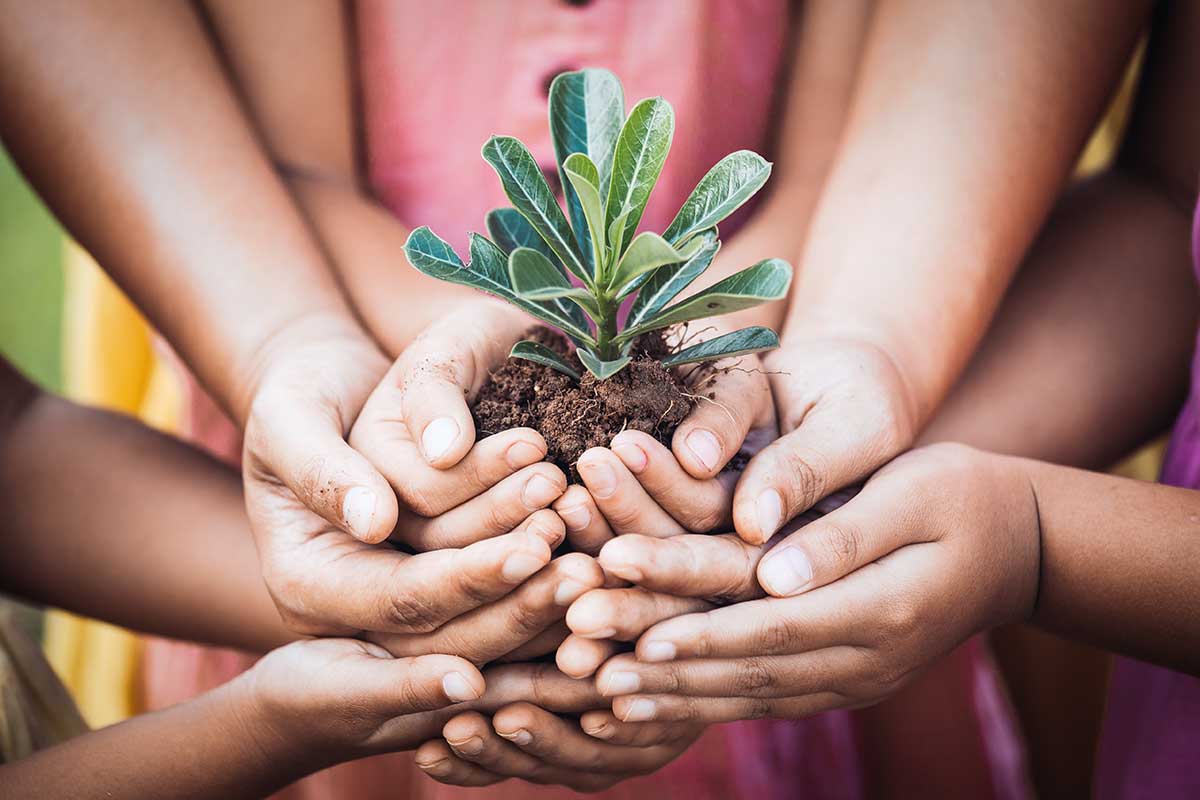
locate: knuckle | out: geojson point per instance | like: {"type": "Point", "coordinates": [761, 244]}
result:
{"type": "Point", "coordinates": [419, 496]}
{"type": "Point", "coordinates": [804, 476]}
{"type": "Point", "coordinates": [409, 612]}
{"type": "Point", "coordinates": [901, 620]}
{"type": "Point", "coordinates": [758, 708]}
{"type": "Point", "coordinates": [703, 518]}
{"type": "Point", "coordinates": [842, 544]}
{"type": "Point", "coordinates": [753, 675]}
{"type": "Point", "coordinates": [778, 637]}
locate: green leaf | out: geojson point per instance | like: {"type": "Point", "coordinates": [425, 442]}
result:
{"type": "Point", "coordinates": [638, 159]}
{"type": "Point", "coordinates": [526, 188]}
{"type": "Point", "coordinates": [529, 270]}
{"type": "Point", "coordinates": [730, 183]}
{"type": "Point", "coordinates": [509, 230]}
{"type": "Point", "coordinates": [582, 175]}
{"type": "Point", "coordinates": [616, 233]}
{"type": "Point", "coordinates": [647, 252]}
{"type": "Point", "coordinates": [739, 343]}
{"type": "Point", "coordinates": [540, 354]}
{"type": "Point", "coordinates": [765, 281]}
{"type": "Point", "coordinates": [586, 111]}
{"type": "Point", "coordinates": [665, 283]}
{"type": "Point", "coordinates": [487, 271]}
{"type": "Point", "coordinates": [601, 369]}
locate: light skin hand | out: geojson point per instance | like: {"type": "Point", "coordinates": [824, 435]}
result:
{"type": "Point", "coordinates": [882, 567]}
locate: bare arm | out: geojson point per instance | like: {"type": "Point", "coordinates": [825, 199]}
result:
{"type": "Point", "coordinates": [120, 116]}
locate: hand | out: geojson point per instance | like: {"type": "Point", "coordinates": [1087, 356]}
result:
{"type": "Point", "coordinates": [639, 486]}
{"type": "Point", "coordinates": [845, 409]}
{"type": "Point", "coordinates": [417, 429]}
{"type": "Point", "coordinates": [939, 545]}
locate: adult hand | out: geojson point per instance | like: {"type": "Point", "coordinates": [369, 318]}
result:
{"type": "Point", "coordinates": [939, 545]}
{"type": "Point", "coordinates": [845, 408]}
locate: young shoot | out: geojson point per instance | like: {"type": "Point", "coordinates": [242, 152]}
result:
{"type": "Point", "coordinates": [573, 274]}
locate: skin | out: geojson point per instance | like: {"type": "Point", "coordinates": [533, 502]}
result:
{"type": "Point", "coordinates": [195, 576]}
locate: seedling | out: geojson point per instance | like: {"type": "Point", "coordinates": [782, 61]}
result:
{"type": "Point", "coordinates": [608, 164]}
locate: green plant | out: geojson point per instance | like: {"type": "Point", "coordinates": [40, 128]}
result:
{"type": "Point", "coordinates": [609, 164]}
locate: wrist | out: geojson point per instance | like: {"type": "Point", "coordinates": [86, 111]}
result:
{"type": "Point", "coordinates": [292, 339]}
{"type": "Point", "coordinates": [1021, 516]}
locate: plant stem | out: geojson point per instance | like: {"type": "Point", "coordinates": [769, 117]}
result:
{"type": "Point", "coordinates": [606, 327]}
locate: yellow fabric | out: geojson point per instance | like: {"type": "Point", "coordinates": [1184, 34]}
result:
{"type": "Point", "coordinates": [109, 361]}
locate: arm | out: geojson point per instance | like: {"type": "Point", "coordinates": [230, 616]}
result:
{"type": "Point", "coordinates": [957, 143]}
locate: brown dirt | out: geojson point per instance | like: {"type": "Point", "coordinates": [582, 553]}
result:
{"type": "Point", "coordinates": [572, 417]}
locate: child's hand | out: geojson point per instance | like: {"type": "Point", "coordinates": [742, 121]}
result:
{"type": "Point", "coordinates": [939, 545]}
{"type": "Point", "coordinates": [524, 741]}
{"type": "Point", "coordinates": [340, 699]}
{"type": "Point", "coordinates": [417, 429]}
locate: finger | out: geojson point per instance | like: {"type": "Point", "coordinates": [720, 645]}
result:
{"type": "Point", "coordinates": [496, 511]}
{"type": "Point", "coordinates": [579, 658]}
{"type": "Point", "coordinates": [562, 744]}
{"type": "Point", "coordinates": [718, 568]}
{"type": "Point", "coordinates": [428, 491]}
{"type": "Point", "coordinates": [540, 684]}
{"type": "Point", "coordinates": [624, 614]}
{"type": "Point", "coordinates": [754, 676]}
{"type": "Point", "coordinates": [620, 498]}
{"type": "Point", "coordinates": [587, 530]}
{"type": "Point", "coordinates": [472, 739]}
{"type": "Point", "coordinates": [823, 454]}
{"type": "Point", "coordinates": [862, 531]}
{"type": "Point", "coordinates": [546, 642]}
{"type": "Point", "coordinates": [710, 710]}
{"type": "Point", "coordinates": [496, 628]}
{"type": "Point", "coordinates": [401, 686]}
{"type": "Point", "coordinates": [427, 590]}
{"type": "Point", "coordinates": [302, 445]}
{"type": "Point", "coordinates": [731, 398]}
{"type": "Point", "coordinates": [698, 505]}
{"type": "Point", "coordinates": [438, 761]}
{"type": "Point", "coordinates": [604, 725]}
{"type": "Point", "coordinates": [769, 626]}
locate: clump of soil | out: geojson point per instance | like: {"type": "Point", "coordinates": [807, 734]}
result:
{"type": "Point", "coordinates": [573, 417]}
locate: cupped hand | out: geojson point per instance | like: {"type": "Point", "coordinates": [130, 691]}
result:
{"type": "Point", "coordinates": [845, 408]}
{"type": "Point", "coordinates": [939, 545]}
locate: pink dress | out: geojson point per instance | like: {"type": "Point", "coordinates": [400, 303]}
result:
{"type": "Point", "coordinates": [437, 80]}
{"type": "Point", "coordinates": [1151, 738]}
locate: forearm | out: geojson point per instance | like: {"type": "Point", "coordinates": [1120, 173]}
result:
{"type": "Point", "coordinates": [121, 117]}
{"type": "Point", "coordinates": [1118, 561]}
{"type": "Point", "coordinates": [110, 519]}
{"type": "Point", "coordinates": [1087, 357]}
{"type": "Point", "coordinates": [956, 145]}
{"type": "Point", "coordinates": [210, 747]}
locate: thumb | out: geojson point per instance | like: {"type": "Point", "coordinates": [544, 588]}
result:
{"type": "Point", "coordinates": [829, 450]}
{"type": "Point", "coordinates": [400, 686]}
{"type": "Point", "coordinates": [868, 527]}
{"type": "Point", "coordinates": [442, 367]}
{"type": "Point", "coordinates": [300, 444]}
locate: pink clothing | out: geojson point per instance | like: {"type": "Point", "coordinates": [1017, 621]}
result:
{"type": "Point", "coordinates": [437, 80]}
{"type": "Point", "coordinates": [1151, 736]}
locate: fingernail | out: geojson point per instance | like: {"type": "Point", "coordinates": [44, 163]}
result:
{"type": "Point", "coordinates": [522, 454]}
{"type": "Point", "coordinates": [539, 492]}
{"type": "Point", "coordinates": [567, 592]}
{"type": "Point", "coordinates": [622, 683]}
{"type": "Point", "coordinates": [603, 633]}
{"type": "Point", "coordinates": [576, 517]}
{"type": "Point", "coordinates": [632, 456]}
{"type": "Point", "coordinates": [458, 688]}
{"type": "Point", "coordinates": [640, 711]}
{"type": "Point", "coordinates": [437, 437]}
{"type": "Point", "coordinates": [469, 747]}
{"type": "Point", "coordinates": [769, 510]}
{"type": "Point", "coordinates": [657, 651]}
{"type": "Point", "coordinates": [520, 736]}
{"type": "Point", "coordinates": [705, 447]}
{"type": "Point", "coordinates": [520, 566]}
{"type": "Point", "coordinates": [601, 479]}
{"type": "Point", "coordinates": [358, 509]}
{"type": "Point", "coordinates": [435, 766]}
{"type": "Point", "coordinates": [786, 571]}
{"type": "Point", "coordinates": [602, 731]}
